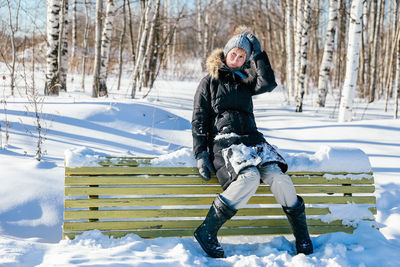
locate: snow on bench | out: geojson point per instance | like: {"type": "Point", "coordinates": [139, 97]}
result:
{"type": "Point", "coordinates": [165, 196]}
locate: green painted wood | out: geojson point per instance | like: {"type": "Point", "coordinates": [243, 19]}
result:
{"type": "Point", "coordinates": [163, 213]}
{"type": "Point", "coordinates": [131, 171]}
{"type": "Point", "coordinates": [223, 231]}
{"type": "Point", "coordinates": [182, 190]}
{"type": "Point", "coordinates": [158, 213]}
{"type": "Point", "coordinates": [82, 171]}
{"type": "Point", "coordinates": [188, 180]}
{"type": "Point", "coordinates": [156, 201]}
{"type": "Point", "coordinates": [131, 225]}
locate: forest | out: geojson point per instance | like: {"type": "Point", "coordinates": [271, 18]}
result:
{"type": "Point", "coordinates": [344, 48]}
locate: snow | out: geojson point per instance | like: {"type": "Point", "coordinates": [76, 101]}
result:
{"type": "Point", "coordinates": [82, 130]}
{"type": "Point", "coordinates": [351, 214]}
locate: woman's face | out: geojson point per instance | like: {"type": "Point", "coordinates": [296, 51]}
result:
{"type": "Point", "coordinates": [235, 58]}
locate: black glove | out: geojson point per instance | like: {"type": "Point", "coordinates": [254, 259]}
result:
{"type": "Point", "coordinates": [255, 44]}
{"type": "Point", "coordinates": [204, 165]}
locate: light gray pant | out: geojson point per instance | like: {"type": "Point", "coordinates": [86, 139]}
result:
{"type": "Point", "coordinates": [243, 188]}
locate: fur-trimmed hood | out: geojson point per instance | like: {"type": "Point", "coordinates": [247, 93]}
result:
{"type": "Point", "coordinates": [215, 62]}
{"type": "Point", "coordinates": [216, 59]}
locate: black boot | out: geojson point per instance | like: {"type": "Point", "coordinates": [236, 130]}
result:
{"type": "Point", "coordinates": [297, 218]}
{"type": "Point", "coordinates": [206, 233]}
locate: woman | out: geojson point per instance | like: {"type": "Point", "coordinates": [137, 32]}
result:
{"type": "Point", "coordinates": [225, 136]}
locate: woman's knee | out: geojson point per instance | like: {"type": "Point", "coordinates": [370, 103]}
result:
{"type": "Point", "coordinates": [250, 175]}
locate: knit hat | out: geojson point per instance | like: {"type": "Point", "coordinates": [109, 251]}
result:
{"type": "Point", "coordinates": [239, 41]}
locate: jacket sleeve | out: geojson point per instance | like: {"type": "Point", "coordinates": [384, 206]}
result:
{"type": "Point", "coordinates": [201, 118]}
{"type": "Point", "coordinates": [265, 78]}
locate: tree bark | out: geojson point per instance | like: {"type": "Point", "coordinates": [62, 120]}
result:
{"type": "Point", "coordinates": [105, 48]}
{"type": "Point", "coordinates": [147, 55]}
{"type": "Point", "coordinates": [352, 62]}
{"type": "Point", "coordinates": [13, 30]}
{"type": "Point", "coordinates": [139, 59]}
{"type": "Point", "coordinates": [303, 53]}
{"type": "Point", "coordinates": [52, 84]}
{"type": "Point", "coordinates": [74, 38]}
{"type": "Point", "coordinates": [63, 54]}
{"type": "Point", "coordinates": [97, 56]}
{"type": "Point", "coordinates": [328, 54]}
{"type": "Point", "coordinates": [85, 44]}
{"type": "Point", "coordinates": [374, 49]}
{"type": "Point", "coordinates": [121, 44]}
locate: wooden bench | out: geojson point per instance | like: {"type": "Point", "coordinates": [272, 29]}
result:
{"type": "Point", "coordinates": [121, 197]}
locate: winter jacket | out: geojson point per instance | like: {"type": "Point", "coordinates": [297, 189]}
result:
{"type": "Point", "coordinates": [223, 121]}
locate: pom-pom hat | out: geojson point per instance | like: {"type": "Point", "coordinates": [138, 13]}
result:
{"type": "Point", "coordinates": [239, 41]}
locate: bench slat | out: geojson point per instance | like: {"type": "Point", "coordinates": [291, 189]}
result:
{"type": "Point", "coordinates": [158, 213]}
{"type": "Point", "coordinates": [156, 201]}
{"type": "Point", "coordinates": [224, 231]}
{"type": "Point", "coordinates": [185, 190]}
{"type": "Point", "coordinates": [175, 224]}
{"type": "Point", "coordinates": [83, 171]}
{"type": "Point", "coordinates": [197, 180]}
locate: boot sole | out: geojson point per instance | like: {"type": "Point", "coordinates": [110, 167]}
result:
{"type": "Point", "coordinates": [206, 250]}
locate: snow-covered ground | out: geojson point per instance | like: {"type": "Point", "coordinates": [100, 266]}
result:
{"type": "Point", "coordinates": [32, 192]}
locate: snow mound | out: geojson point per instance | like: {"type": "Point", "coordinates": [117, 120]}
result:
{"type": "Point", "coordinates": [181, 158]}
{"type": "Point", "coordinates": [351, 214]}
{"type": "Point", "coordinates": [82, 156]}
{"type": "Point", "coordinates": [329, 159]}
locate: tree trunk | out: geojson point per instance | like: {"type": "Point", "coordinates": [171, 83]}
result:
{"type": "Point", "coordinates": [121, 44]}
{"type": "Point", "coordinates": [200, 32]}
{"type": "Point", "coordinates": [130, 23]}
{"type": "Point", "coordinates": [85, 44]}
{"type": "Point", "coordinates": [397, 80]}
{"type": "Point", "coordinates": [105, 48]}
{"type": "Point", "coordinates": [352, 62]}
{"type": "Point", "coordinates": [289, 47]}
{"type": "Point", "coordinates": [297, 43]}
{"type": "Point", "coordinates": [328, 55]}
{"type": "Point", "coordinates": [374, 49]}
{"type": "Point", "coordinates": [147, 55]}
{"type": "Point", "coordinates": [52, 84]}
{"type": "Point", "coordinates": [139, 59]}
{"type": "Point", "coordinates": [303, 53]}
{"type": "Point", "coordinates": [13, 30]}
{"type": "Point", "coordinates": [63, 54]}
{"type": "Point", "coordinates": [74, 38]}
{"type": "Point", "coordinates": [341, 43]}
{"type": "Point", "coordinates": [97, 56]}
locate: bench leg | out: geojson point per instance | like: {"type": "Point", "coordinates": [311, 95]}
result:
{"type": "Point", "coordinates": [297, 218]}
{"type": "Point", "coordinates": [206, 233]}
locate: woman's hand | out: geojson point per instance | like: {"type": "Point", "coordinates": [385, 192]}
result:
{"type": "Point", "coordinates": [204, 165]}
{"type": "Point", "coordinates": [255, 44]}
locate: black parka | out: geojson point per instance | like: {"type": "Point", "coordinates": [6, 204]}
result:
{"type": "Point", "coordinates": [223, 105]}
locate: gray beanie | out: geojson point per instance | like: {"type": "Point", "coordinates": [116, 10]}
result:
{"type": "Point", "coordinates": [239, 41]}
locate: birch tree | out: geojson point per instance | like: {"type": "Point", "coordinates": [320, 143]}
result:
{"type": "Point", "coordinates": [97, 56]}
{"type": "Point", "coordinates": [105, 48]}
{"type": "Point", "coordinates": [52, 84]}
{"type": "Point", "coordinates": [142, 47]}
{"type": "Point", "coordinates": [374, 54]}
{"type": "Point", "coordinates": [121, 43]}
{"type": "Point", "coordinates": [85, 43]}
{"type": "Point", "coordinates": [303, 53]}
{"type": "Point", "coordinates": [328, 54]}
{"type": "Point", "coordinates": [148, 54]}
{"type": "Point", "coordinates": [297, 44]}
{"type": "Point", "coordinates": [63, 48]}
{"type": "Point", "coordinates": [289, 46]}
{"type": "Point", "coordinates": [74, 35]}
{"type": "Point", "coordinates": [13, 29]}
{"type": "Point", "coordinates": [397, 79]}
{"type": "Point", "coordinates": [352, 62]}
